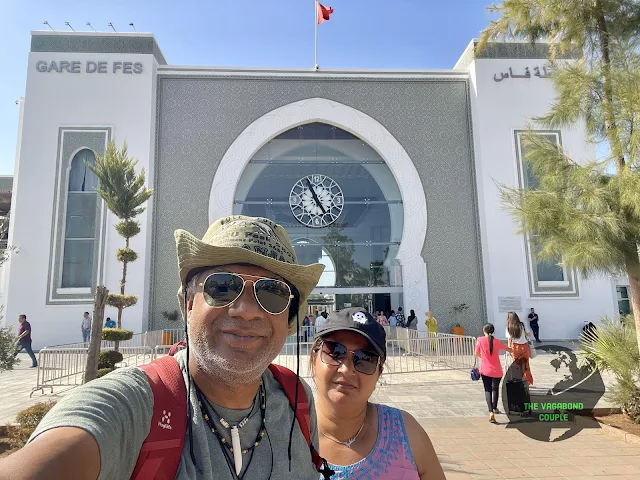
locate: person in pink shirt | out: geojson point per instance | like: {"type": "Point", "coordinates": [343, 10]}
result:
{"type": "Point", "coordinates": [488, 349]}
{"type": "Point", "coordinates": [382, 319]}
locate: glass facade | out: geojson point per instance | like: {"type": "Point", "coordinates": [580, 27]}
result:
{"type": "Point", "coordinates": [336, 197]}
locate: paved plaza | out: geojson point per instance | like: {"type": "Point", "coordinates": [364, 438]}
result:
{"type": "Point", "coordinates": [452, 409]}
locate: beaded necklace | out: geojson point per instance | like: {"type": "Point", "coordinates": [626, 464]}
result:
{"type": "Point", "coordinates": [221, 439]}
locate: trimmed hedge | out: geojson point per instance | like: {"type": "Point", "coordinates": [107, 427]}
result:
{"type": "Point", "coordinates": [28, 420]}
{"type": "Point", "coordinates": [119, 300]}
{"type": "Point", "coordinates": [116, 334]}
{"type": "Point", "coordinates": [103, 371]}
{"type": "Point", "coordinates": [109, 359]}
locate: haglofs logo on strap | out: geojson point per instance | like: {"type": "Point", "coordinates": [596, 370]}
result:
{"type": "Point", "coordinates": [165, 421]}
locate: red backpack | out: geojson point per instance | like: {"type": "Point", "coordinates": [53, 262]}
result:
{"type": "Point", "coordinates": [161, 451]}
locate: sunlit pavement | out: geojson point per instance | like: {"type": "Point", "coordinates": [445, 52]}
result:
{"type": "Point", "coordinates": [452, 409]}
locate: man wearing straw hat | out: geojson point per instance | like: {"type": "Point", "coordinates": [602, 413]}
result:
{"type": "Point", "coordinates": [242, 293]}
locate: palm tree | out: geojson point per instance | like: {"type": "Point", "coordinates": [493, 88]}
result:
{"type": "Point", "coordinates": [124, 192]}
{"type": "Point", "coordinates": [586, 214]}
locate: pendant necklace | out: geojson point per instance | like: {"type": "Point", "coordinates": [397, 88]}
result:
{"type": "Point", "coordinates": [235, 447]}
{"type": "Point", "coordinates": [349, 442]}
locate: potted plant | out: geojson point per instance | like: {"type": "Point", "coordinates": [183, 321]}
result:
{"type": "Point", "coordinates": [458, 329]}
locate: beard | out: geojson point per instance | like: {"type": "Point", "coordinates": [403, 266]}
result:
{"type": "Point", "coordinates": [233, 365]}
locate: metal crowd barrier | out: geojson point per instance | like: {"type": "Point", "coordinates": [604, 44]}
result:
{"type": "Point", "coordinates": [64, 366]}
{"type": "Point", "coordinates": [408, 351]}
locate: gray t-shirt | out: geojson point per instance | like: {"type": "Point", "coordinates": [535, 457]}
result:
{"type": "Point", "coordinates": [116, 410]}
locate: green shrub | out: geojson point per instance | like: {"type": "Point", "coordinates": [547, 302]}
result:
{"type": "Point", "coordinates": [614, 347]}
{"type": "Point", "coordinates": [171, 316]}
{"type": "Point", "coordinates": [7, 348]}
{"type": "Point", "coordinates": [126, 254]}
{"type": "Point", "coordinates": [109, 359]}
{"type": "Point", "coordinates": [28, 420]}
{"type": "Point", "coordinates": [127, 228]}
{"type": "Point", "coordinates": [118, 300]}
{"type": "Point", "coordinates": [103, 371]}
{"type": "Point", "coordinates": [116, 334]}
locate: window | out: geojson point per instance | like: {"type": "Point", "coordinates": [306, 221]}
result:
{"type": "Point", "coordinates": [546, 277]}
{"type": "Point", "coordinates": [359, 247]}
{"type": "Point", "coordinates": [80, 223]}
{"type": "Point", "coordinates": [624, 305]}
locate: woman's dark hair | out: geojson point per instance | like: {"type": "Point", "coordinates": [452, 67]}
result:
{"type": "Point", "coordinates": [412, 313]}
{"type": "Point", "coordinates": [489, 329]}
{"type": "Point", "coordinates": [514, 325]}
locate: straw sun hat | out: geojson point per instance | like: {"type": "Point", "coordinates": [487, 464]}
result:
{"type": "Point", "coordinates": [251, 240]}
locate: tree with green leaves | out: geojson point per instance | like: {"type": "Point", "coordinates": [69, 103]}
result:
{"type": "Point", "coordinates": [123, 191]}
{"type": "Point", "coordinates": [586, 214]}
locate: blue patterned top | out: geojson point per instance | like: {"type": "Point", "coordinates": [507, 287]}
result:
{"type": "Point", "coordinates": [390, 458]}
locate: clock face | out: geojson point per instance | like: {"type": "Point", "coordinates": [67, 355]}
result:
{"type": "Point", "coordinates": [316, 200]}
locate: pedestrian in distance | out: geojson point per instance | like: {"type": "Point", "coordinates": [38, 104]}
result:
{"type": "Point", "coordinates": [517, 337]}
{"type": "Point", "coordinates": [533, 322]}
{"type": "Point", "coordinates": [85, 326]}
{"type": "Point", "coordinates": [24, 340]}
{"type": "Point", "coordinates": [488, 350]}
{"type": "Point", "coordinates": [412, 320]}
{"type": "Point", "coordinates": [400, 320]}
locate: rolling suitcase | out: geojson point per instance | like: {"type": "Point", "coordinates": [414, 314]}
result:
{"type": "Point", "coordinates": [517, 395]}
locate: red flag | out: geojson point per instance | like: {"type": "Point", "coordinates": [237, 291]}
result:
{"type": "Point", "coordinates": [323, 12]}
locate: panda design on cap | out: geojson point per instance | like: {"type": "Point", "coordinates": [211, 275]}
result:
{"type": "Point", "coordinates": [359, 317]}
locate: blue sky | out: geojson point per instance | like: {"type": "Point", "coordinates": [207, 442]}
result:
{"type": "Point", "coordinates": [426, 34]}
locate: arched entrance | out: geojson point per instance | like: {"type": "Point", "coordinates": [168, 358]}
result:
{"type": "Point", "coordinates": [389, 167]}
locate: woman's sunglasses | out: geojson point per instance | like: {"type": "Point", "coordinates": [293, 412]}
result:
{"type": "Point", "coordinates": [221, 289]}
{"type": "Point", "coordinates": [334, 353]}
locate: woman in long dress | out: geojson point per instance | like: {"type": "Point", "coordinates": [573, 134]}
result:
{"type": "Point", "coordinates": [431, 323]}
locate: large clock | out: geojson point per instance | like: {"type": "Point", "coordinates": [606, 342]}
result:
{"type": "Point", "coordinates": [316, 200]}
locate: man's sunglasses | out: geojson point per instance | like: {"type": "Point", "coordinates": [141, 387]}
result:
{"type": "Point", "coordinates": [334, 353]}
{"type": "Point", "coordinates": [221, 289]}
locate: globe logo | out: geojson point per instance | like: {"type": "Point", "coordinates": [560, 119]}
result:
{"type": "Point", "coordinates": [553, 405]}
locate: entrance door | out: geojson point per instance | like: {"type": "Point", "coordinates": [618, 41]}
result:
{"type": "Point", "coordinates": [372, 299]}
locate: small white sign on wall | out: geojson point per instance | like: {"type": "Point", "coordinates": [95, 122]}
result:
{"type": "Point", "coordinates": [510, 304]}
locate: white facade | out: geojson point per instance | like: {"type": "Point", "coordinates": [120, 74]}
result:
{"type": "Point", "coordinates": [124, 104]}
{"type": "Point", "coordinates": [501, 108]}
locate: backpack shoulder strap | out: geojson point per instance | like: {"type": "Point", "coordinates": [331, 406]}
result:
{"type": "Point", "coordinates": [288, 380]}
{"type": "Point", "coordinates": [160, 453]}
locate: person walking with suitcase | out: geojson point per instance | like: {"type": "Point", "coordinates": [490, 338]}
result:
{"type": "Point", "coordinates": [518, 342]}
{"type": "Point", "coordinates": [488, 350]}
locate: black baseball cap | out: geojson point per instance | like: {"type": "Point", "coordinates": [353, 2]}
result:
{"type": "Point", "coordinates": [356, 319]}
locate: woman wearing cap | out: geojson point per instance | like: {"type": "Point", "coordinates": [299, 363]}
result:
{"type": "Point", "coordinates": [360, 439]}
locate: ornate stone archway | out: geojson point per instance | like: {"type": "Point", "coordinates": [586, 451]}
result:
{"type": "Point", "coordinates": [272, 124]}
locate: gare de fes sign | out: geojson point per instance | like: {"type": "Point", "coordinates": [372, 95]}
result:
{"type": "Point", "coordinates": [76, 66]}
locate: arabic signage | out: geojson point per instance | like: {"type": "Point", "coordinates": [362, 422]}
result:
{"type": "Point", "coordinates": [63, 66]}
{"type": "Point", "coordinates": [498, 77]}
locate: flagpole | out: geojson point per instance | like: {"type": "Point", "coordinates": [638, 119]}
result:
{"type": "Point", "coordinates": [315, 22]}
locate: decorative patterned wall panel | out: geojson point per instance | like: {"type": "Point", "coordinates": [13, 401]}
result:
{"type": "Point", "coordinates": [199, 118]}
